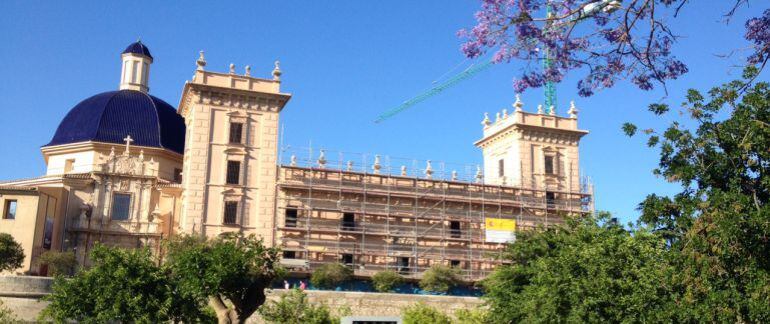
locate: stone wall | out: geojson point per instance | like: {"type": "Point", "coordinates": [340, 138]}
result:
{"type": "Point", "coordinates": [22, 295]}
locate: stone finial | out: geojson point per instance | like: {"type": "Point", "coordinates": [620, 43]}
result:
{"type": "Point", "coordinates": [201, 62]}
{"type": "Point", "coordinates": [376, 167]}
{"type": "Point", "coordinates": [505, 113]}
{"type": "Point", "coordinates": [497, 117]}
{"type": "Point", "coordinates": [349, 166]}
{"type": "Point", "coordinates": [479, 175]}
{"type": "Point", "coordinates": [428, 170]}
{"type": "Point", "coordinates": [322, 159]}
{"type": "Point", "coordinates": [293, 160]}
{"type": "Point", "coordinates": [454, 175]}
{"type": "Point", "coordinates": [518, 104]}
{"type": "Point", "coordinates": [540, 109]}
{"type": "Point", "coordinates": [277, 71]}
{"type": "Point", "coordinates": [552, 110]}
{"type": "Point", "coordinates": [403, 170]}
{"type": "Point", "coordinates": [573, 111]}
{"type": "Point", "coordinates": [486, 122]}
{"type": "Point", "coordinates": [248, 70]}
{"type": "Point", "coordinates": [232, 68]}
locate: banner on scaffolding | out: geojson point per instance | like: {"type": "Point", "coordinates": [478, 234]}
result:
{"type": "Point", "coordinates": [500, 230]}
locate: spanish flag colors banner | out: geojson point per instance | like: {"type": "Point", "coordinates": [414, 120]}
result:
{"type": "Point", "coordinates": [500, 230]}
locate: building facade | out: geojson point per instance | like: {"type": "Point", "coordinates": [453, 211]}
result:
{"type": "Point", "coordinates": [125, 168]}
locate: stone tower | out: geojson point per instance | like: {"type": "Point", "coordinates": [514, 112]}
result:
{"type": "Point", "coordinates": [532, 150]}
{"type": "Point", "coordinates": [229, 175]}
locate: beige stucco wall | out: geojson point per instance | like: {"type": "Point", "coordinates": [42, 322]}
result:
{"type": "Point", "coordinates": [24, 227]}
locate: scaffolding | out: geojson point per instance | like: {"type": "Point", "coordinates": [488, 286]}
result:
{"type": "Point", "coordinates": [389, 213]}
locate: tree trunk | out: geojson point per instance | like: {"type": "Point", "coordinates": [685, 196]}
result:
{"type": "Point", "coordinates": [225, 315]}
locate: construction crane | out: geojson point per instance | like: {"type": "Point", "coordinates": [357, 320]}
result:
{"type": "Point", "coordinates": [587, 10]}
{"type": "Point", "coordinates": [469, 72]}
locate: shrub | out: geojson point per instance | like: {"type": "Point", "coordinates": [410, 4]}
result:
{"type": "Point", "coordinates": [294, 308]}
{"type": "Point", "coordinates": [440, 278]}
{"type": "Point", "coordinates": [11, 253]}
{"type": "Point", "coordinates": [6, 315]}
{"type": "Point", "coordinates": [386, 281]}
{"type": "Point", "coordinates": [330, 275]}
{"type": "Point", "coordinates": [59, 263]}
{"type": "Point", "coordinates": [472, 316]}
{"type": "Point", "coordinates": [421, 313]}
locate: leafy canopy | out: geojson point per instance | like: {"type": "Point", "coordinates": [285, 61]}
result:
{"type": "Point", "coordinates": [293, 307]}
{"type": "Point", "coordinates": [440, 278]}
{"type": "Point", "coordinates": [330, 275]}
{"type": "Point", "coordinates": [11, 253]}
{"type": "Point", "coordinates": [386, 281]}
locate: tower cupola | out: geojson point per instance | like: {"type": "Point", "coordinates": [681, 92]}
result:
{"type": "Point", "coordinates": [136, 67]}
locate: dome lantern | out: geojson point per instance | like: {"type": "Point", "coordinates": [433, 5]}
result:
{"type": "Point", "coordinates": [136, 67]}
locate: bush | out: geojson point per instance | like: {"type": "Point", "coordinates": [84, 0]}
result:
{"type": "Point", "coordinates": [294, 308]}
{"type": "Point", "coordinates": [440, 278]}
{"type": "Point", "coordinates": [472, 316]}
{"type": "Point", "coordinates": [59, 263]}
{"type": "Point", "coordinates": [421, 313]}
{"type": "Point", "coordinates": [11, 253]}
{"type": "Point", "coordinates": [386, 281]}
{"type": "Point", "coordinates": [6, 315]}
{"type": "Point", "coordinates": [330, 275]}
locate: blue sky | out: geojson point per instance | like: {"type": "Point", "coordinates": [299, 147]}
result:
{"type": "Point", "coordinates": [345, 62]}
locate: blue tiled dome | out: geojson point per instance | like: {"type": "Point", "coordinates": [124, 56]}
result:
{"type": "Point", "coordinates": [110, 116]}
{"type": "Point", "coordinates": [138, 48]}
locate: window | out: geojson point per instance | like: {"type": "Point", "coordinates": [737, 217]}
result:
{"type": "Point", "coordinates": [289, 254]}
{"type": "Point", "coordinates": [403, 264]}
{"type": "Point", "coordinates": [348, 221]}
{"type": "Point", "coordinates": [454, 229]}
{"type": "Point", "coordinates": [69, 164]}
{"type": "Point", "coordinates": [549, 165]}
{"type": "Point", "coordinates": [347, 259]}
{"type": "Point", "coordinates": [501, 168]}
{"type": "Point", "coordinates": [121, 206]}
{"type": "Point", "coordinates": [454, 263]}
{"type": "Point", "coordinates": [550, 199]}
{"type": "Point", "coordinates": [177, 175]}
{"type": "Point", "coordinates": [291, 217]}
{"type": "Point", "coordinates": [233, 172]}
{"type": "Point", "coordinates": [236, 133]}
{"type": "Point", "coordinates": [231, 212]}
{"type": "Point", "coordinates": [10, 209]}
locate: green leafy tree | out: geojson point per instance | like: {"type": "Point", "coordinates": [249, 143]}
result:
{"type": "Point", "coordinates": [440, 278]}
{"type": "Point", "coordinates": [230, 272]}
{"type": "Point", "coordinates": [718, 225]}
{"type": "Point", "coordinates": [123, 285]}
{"type": "Point", "coordinates": [59, 263]}
{"type": "Point", "coordinates": [386, 281]}
{"type": "Point", "coordinates": [472, 316]}
{"type": "Point", "coordinates": [293, 307]}
{"type": "Point", "coordinates": [591, 270]}
{"type": "Point", "coordinates": [420, 314]}
{"type": "Point", "coordinates": [11, 253]}
{"type": "Point", "coordinates": [330, 275]}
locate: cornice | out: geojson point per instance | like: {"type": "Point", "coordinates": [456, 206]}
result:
{"type": "Point", "coordinates": [231, 98]}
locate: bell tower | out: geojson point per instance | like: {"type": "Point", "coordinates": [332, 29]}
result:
{"type": "Point", "coordinates": [532, 150]}
{"type": "Point", "coordinates": [231, 150]}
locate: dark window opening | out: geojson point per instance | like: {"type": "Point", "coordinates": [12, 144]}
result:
{"type": "Point", "coordinates": [348, 221]}
{"type": "Point", "coordinates": [454, 263]}
{"type": "Point", "coordinates": [550, 199]}
{"type": "Point", "coordinates": [233, 172]}
{"type": "Point", "coordinates": [289, 254]}
{"type": "Point", "coordinates": [231, 212]}
{"type": "Point", "coordinates": [177, 175]}
{"type": "Point", "coordinates": [347, 259]}
{"type": "Point", "coordinates": [10, 209]}
{"type": "Point", "coordinates": [236, 133]}
{"type": "Point", "coordinates": [454, 229]}
{"type": "Point", "coordinates": [549, 165]}
{"type": "Point", "coordinates": [501, 168]}
{"type": "Point", "coordinates": [290, 217]}
{"type": "Point", "coordinates": [121, 205]}
{"type": "Point", "coordinates": [403, 264]}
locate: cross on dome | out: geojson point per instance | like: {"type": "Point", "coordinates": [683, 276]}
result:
{"type": "Point", "coordinates": [128, 141]}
